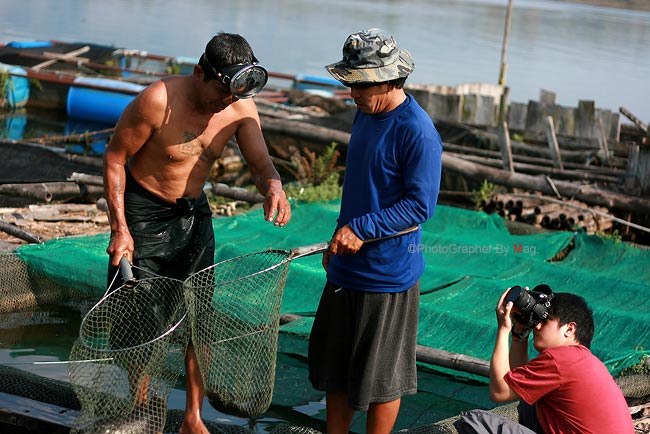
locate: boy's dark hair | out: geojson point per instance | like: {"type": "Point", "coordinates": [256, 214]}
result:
{"type": "Point", "coordinates": [568, 308]}
{"type": "Point", "coordinates": [225, 49]}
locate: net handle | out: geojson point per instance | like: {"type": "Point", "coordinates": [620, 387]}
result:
{"type": "Point", "coordinates": [313, 249]}
{"type": "Point", "coordinates": [127, 272]}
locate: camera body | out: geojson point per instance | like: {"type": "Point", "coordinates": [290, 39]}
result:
{"type": "Point", "coordinates": [530, 307]}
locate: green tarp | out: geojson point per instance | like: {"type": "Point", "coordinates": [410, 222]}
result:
{"type": "Point", "coordinates": [471, 259]}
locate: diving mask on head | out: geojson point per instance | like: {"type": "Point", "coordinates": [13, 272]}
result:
{"type": "Point", "coordinates": [243, 80]}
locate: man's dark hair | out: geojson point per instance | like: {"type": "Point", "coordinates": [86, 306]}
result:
{"type": "Point", "coordinates": [398, 83]}
{"type": "Point", "coordinates": [568, 308]}
{"type": "Point", "coordinates": [225, 49]}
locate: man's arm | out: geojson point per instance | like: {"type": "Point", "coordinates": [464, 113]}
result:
{"type": "Point", "coordinates": [500, 364]}
{"type": "Point", "coordinates": [132, 131]}
{"type": "Point", "coordinates": [267, 180]}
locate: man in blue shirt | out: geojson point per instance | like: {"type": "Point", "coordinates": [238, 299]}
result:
{"type": "Point", "coordinates": [362, 344]}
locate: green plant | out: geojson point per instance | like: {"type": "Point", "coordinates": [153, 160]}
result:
{"type": "Point", "coordinates": [173, 68]}
{"type": "Point", "coordinates": [615, 236]}
{"type": "Point", "coordinates": [483, 194]}
{"type": "Point", "coordinates": [308, 168]}
{"type": "Point", "coordinates": [328, 189]}
{"type": "Point", "coordinates": [5, 86]}
{"type": "Point", "coordinates": [641, 368]}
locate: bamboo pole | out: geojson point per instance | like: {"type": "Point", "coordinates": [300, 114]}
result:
{"type": "Point", "coordinates": [433, 356]}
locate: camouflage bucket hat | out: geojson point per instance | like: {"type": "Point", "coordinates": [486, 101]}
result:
{"type": "Point", "coordinates": [371, 56]}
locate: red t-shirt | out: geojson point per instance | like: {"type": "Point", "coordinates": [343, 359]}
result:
{"type": "Point", "coordinates": [574, 393]}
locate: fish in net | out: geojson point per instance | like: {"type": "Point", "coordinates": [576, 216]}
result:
{"type": "Point", "coordinates": [128, 356]}
{"type": "Point", "coordinates": [234, 316]}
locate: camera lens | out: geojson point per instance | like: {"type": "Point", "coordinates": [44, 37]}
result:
{"type": "Point", "coordinates": [520, 298]}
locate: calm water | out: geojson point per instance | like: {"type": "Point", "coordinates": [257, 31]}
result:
{"type": "Point", "coordinates": [579, 52]}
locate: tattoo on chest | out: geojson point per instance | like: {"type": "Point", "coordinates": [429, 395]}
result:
{"type": "Point", "coordinates": [190, 146]}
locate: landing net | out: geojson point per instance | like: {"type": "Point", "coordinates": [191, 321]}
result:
{"type": "Point", "coordinates": [128, 357]}
{"type": "Point", "coordinates": [234, 312]}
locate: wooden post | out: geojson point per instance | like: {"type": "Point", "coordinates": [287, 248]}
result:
{"type": "Point", "coordinates": [552, 142]}
{"type": "Point", "coordinates": [506, 149]}
{"type": "Point", "coordinates": [503, 102]}
{"type": "Point", "coordinates": [631, 181]}
{"type": "Point", "coordinates": [585, 118]}
{"type": "Point", "coordinates": [504, 45]}
{"type": "Point", "coordinates": [602, 141]}
{"type": "Point", "coordinates": [643, 168]}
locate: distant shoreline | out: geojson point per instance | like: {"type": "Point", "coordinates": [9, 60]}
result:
{"type": "Point", "coordinates": [637, 5]}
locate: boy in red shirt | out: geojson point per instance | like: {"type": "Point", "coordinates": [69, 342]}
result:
{"type": "Point", "coordinates": [571, 389]}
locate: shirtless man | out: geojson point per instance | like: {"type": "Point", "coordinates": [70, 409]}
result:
{"type": "Point", "coordinates": [157, 162]}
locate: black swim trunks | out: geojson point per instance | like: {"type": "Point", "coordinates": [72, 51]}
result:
{"type": "Point", "coordinates": [172, 240]}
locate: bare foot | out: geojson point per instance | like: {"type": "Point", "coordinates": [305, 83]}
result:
{"type": "Point", "coordinates": [193, 426]}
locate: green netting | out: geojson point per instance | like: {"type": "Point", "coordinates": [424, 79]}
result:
{"type": "Point", "coordinates": [471, 259]}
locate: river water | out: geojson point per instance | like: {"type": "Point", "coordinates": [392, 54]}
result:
{"type": "Point", "coordinates": [578, 52]}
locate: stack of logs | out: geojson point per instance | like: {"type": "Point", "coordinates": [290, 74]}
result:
{"type": "Point", "coordinates": [549, 213]}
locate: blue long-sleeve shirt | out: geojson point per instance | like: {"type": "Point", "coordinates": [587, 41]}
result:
{"type": "Point", "coordinates": [392, 180]}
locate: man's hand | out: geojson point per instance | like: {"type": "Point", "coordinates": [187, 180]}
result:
{"type": "Point", "coordinates": [276, 207]}
{"type": "Point", "coordinates": [326, 260]}
{"type": "Point", "coordinates": [345, 241]}
{"type": "Point", "coordinates": [503, 311]}
{"type": "Point", "coordinates": [121, 245]}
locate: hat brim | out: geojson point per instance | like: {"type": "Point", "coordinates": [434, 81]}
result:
{"type": "Point", "coordinates": [402, 67]}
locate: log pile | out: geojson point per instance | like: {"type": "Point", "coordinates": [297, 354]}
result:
{"type": "Point", "coordinates": [547, 213]}
{"type": "Point", "coordinates": [38, 223]}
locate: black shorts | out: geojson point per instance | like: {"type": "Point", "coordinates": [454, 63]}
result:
{"type": "Point", "coordinates": [363, 343]}
{"type": "Point", "coordinates": [171, 240]}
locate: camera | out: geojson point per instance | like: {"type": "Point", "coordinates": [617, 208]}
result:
{"type": "Point", "coordinates": [530, 307]}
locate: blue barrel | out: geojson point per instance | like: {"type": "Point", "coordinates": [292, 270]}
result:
{"type": "Point", "coordinates": [103, 105]}
{"type": "Point", "coordinates": [16, 90]}
{"type": "Point", "coordinates": [29, 44]}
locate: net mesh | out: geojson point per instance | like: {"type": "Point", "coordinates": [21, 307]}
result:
{"type": "Point", "coordinates": [128, 357]}
{"type": "Point", "coordinates": [234, 311]}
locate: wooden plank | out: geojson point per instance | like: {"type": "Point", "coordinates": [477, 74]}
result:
{"type": "Point", "coordinates": [37, 417]}
{"type": "Point", "coordinates": [602, 140]}
{"type": "Point", "coordinates": [643, 170]}
{"type": "Point", "coordinates": [565, 120]}
{"type": "Point", "coordinates": [469, 109]}
{"type": "Point", "coordinates": [546, 97]}
{"type": "Point", "coordinates": [552, 142]}
{"type": "Point", "coordinates": [642, 125]}
{"type": "Point", "coordinates": [517, 116]}
{"type": "Point", "coordinates": [446, 107]}
{"type": "Point", "coordinates": [68, 55]}
{"type": "Point", "coordinates": [487, 109]}
{"type": "Point", "coordinates": [631, 181]}
{"type": "Point", "coordinates": [585, 118]}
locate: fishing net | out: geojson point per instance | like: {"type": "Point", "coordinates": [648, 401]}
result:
{"type": "Point", "coordinates": [22, 288]}
{"type": "Point", "coordinates": [234, 313]}
{"type": "Point", "coordinates": [128, 357]}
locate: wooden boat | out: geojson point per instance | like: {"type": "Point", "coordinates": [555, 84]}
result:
{"type": "Point", "coordinates": [95, 82]}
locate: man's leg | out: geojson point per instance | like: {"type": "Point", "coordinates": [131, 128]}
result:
{"type": "Point", "coordinates": [338, 412]}
{"type": "Point", "coordinates": [192, 422]}
{"type": "Point", "coordinates": [382, 416]}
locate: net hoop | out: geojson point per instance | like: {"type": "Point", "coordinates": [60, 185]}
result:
{"type": "Point", "coordinates": [167, 332]}
{"type": "Point", "coordinates": [287, 258]}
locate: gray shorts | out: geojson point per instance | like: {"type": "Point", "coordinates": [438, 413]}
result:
{"type": "Point", "coordinates": [363, 343]}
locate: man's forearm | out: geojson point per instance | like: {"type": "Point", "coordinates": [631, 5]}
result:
{"type": "Point", "coordinates": [499, 367]}
{"type": "Point", "coordinates": [114, 186]}
{"type": "Point", "coordinates": [267, 179]}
